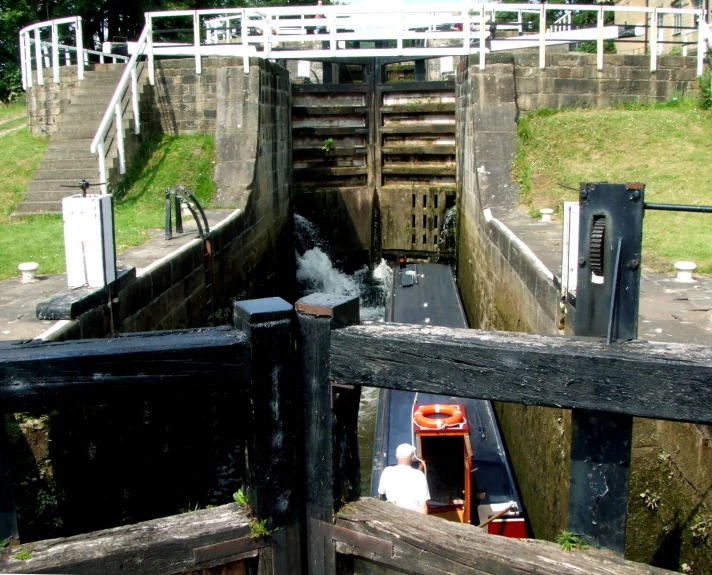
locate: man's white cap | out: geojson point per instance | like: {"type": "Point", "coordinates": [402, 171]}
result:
{"type": "Point", "coordinates": [405, 450]}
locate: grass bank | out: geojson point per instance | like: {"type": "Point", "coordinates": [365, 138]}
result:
{"type": "Point", "coordinates": [12, 110]}
{"type": "Point", "coordinates": [162, 162]}
{"type": "Point", "coordinates": [665, 146]}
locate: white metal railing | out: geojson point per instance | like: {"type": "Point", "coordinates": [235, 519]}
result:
{"type": "Point", "coordinates": [562, 23]}
{"type": "Point", "coordinates": [114, 112]}
{"type": "Point", "coordinates": [304, 32]}
{"type": "Point", "coordinates": [704, 43]}
{"type": "Point", "coordinates": [51, 53]}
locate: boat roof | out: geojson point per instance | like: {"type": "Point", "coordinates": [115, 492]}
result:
{"type": "Point", "coordinates": [434, 300]}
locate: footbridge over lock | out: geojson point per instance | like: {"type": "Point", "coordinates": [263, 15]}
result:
{"type": "Point", "coordinates": [371, 120]}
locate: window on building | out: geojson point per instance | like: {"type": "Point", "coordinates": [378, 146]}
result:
{"type": "Point", "coordinates": [677, 19]}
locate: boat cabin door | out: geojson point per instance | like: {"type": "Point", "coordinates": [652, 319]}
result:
{"type": "Point", "coordinates": [446, 451]}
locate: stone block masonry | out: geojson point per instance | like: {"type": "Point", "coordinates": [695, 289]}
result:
{"type": "Point", "coordinates": [252, 249]}
{"type": "Point", "coordinates": [126, 462]}
{"type": "Point", "coordinates": [571, 79]}
{"type": "Point", "coordinates": [503, 287]}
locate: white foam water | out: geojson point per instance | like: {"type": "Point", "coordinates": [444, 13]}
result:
{"type": "Point", "coordinates": [316, 273]}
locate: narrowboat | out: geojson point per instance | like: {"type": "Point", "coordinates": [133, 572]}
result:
{"type": "Point", "coordinates": [458, 440]}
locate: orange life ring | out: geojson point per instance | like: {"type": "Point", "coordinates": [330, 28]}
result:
{"type": "Point", "coordinates": [421, 416]}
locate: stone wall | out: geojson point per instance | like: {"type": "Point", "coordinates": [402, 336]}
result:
{"type": "Point", "coordinates": [252, 249]}
{"type": "Point", "coordinates": [502, 284]}
{"type": "Point", "coordinates": [573, 79]}
{"type": "Point", "coordinates": [46, 103]}
{"type": "Point", "coordinates": [87, 468]}
{"type": "Point", "coordinates": [504, 287]}
{"type": "Point", "coordinates": [181, 101]}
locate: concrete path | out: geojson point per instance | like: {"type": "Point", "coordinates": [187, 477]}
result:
{"type": "Point", "coordinates": [18, 301]}
{"type": "Point", "coordinates": [669, 311]}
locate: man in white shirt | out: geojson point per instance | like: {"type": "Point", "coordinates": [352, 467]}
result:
{"type": "Point", "coordinates": [403, 485]}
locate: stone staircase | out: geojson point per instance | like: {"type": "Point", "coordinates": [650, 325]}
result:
{"type": "Point", "coordinates": [68, 158]}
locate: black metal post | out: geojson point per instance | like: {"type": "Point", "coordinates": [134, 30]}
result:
{"type": "Point", "coordinates": [327, 73]}
{"type": "Point", "coordinates": [8, 512]}
{"type": "Point", "coordinates": [420, 70]}
{"type": "Point", "coordinates": [607, 301]}
{"type": "Point", "coordinates": [179, 216]}
{"type": "Point", "coordinates": [274, 423]}
{"type": "Point", "coordinates": [331, 466]}
{"type": "Point", "coordinates": [169, 225]}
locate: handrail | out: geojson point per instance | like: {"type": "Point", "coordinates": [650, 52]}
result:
{"type": "Point", "coordinates": [114, 112]}
{"type": "Point", "coordinates": [467, 26]}
{"type": "Point", "coordinates": [31, 35]}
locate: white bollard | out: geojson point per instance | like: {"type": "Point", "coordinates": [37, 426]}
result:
{"type": "Point", "coordinates": [29, 272]}
{"type": "Point", "coordinates": [546, 214]}
{"type": "Point", "coordinates": [684, 272]}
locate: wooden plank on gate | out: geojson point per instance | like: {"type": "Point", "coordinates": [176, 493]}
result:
{"type": "Point", "coordinates": [353, 538]}
{"type": "Point", "coordinates": [655, 380]}
{"type": "Point", "coordinates": [228, 548]}
{"type": "Point", "coordinates": [423, 545]}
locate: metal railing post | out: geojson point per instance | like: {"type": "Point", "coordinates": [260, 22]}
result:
{"type": "Point", "coordinates": [28, 59]}
{"type": "Point", "coordinates": [80, 50]}
{"type": "Point", "coordinates": [399, 37]}
{"type": "Point", "coordinates": [196, 42]}
{"type": "Point", "coordinates": [701, 40]}
{"type": "Point", "coordinates": [38, 56]}
{"type": "Point", "coordinates": [23, 61]}
{"type": "Point", "coordinates": [119, 121]}
{"type": "Point", "coordinates": [542, 36]}
{"type": "Point", "coordinates": [266, 35]}
{"type": "Point", "coordinates": [102, 167]}
{"type": "Point", "coordinates": [168, 234]}
{"type": "Point", "coordinates": [134, 100]}
{"type": "Point", "coordinates": [483, 36]}
{"type": "Point", "coordinates": [46, 57]}
{"type": "Point", "coordinates": [332, 33]}
{"type": "Point", "coordinates": [599, 41]}
{"type": "Point", "coordinates": [654, 40]}
{"type": "Point", "coordinates": [520, 20]}
{"type": "Point", "coordinates": [245, 44]}
{"type": "Point", "coordinates": [149, 49]}
{"type": "Point", "coordinates": [55, 54]}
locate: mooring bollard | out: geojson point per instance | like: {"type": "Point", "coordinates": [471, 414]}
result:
{"type": "Point", "coordinates": [331, 464]}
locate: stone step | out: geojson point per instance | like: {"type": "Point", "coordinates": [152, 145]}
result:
{"type": "Point", "coordinates": [29, 208]}
{"type": "Point", "coordinates": [79, 162]}
{"type": "Point", "coordinates": [89, 110]}
{"type": "Point", "coordinates": [86, 131]}
{"type": "Point", "coordinates": [57, 195]}
{"type": "Point", "coordinates": [106, 67]}
{"type": "Point", "coordinates": [55, 185]}
{"type": "Point", "coordinates": [91, 99]}
{"type": "Point", "coordinates": [92, 74]}
{"type": "Point", "coordinates": [66, 173]}
{"type": "Point", "coordinates": [75, 116]}
{"type": "Point", "coordinates": [74, 155]}
{"type": "Point", "coordinates": [77, 144]}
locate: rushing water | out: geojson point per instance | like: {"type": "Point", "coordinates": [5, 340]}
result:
{"type": "Point", "coordinates": [316, 273]}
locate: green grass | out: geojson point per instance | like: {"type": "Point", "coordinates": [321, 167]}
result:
{"type": "Point", "coordinates": [162, 162]}
{"type": "Point", "coordinates": [16, 108]}
{"type": "Point", "coordinates": [665, 146]}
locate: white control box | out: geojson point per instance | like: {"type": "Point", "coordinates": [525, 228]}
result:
{"type": "Point", "coordinates": [89, 240]}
